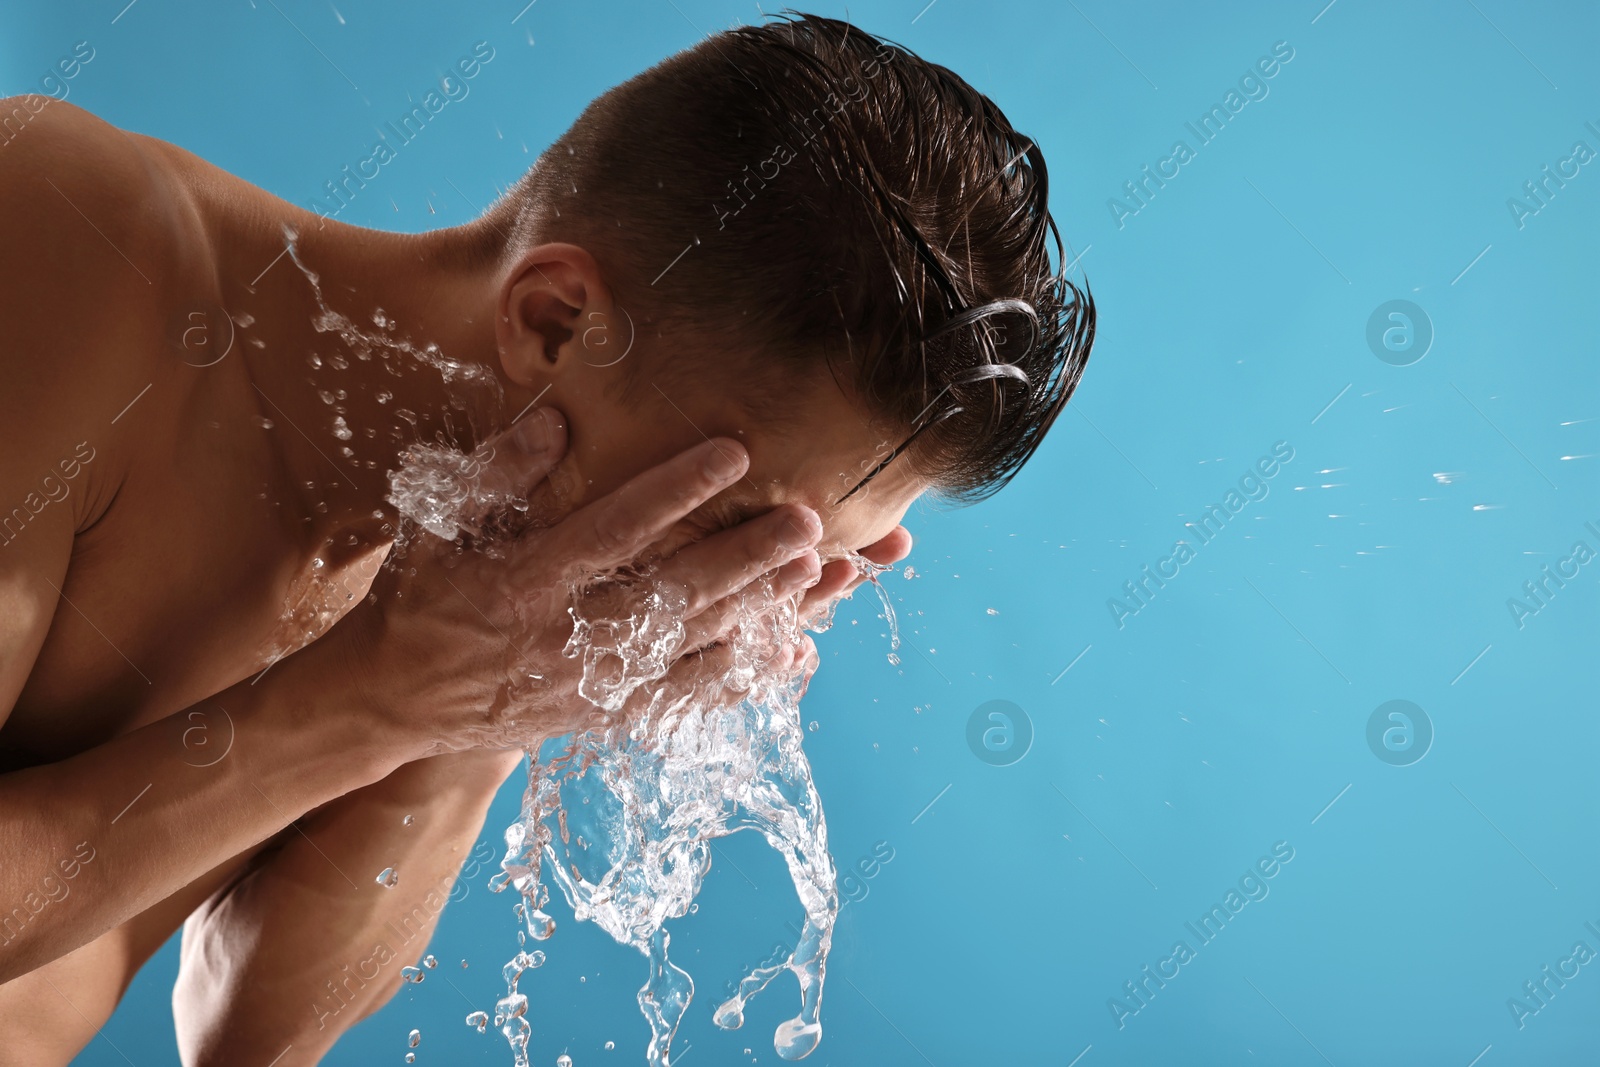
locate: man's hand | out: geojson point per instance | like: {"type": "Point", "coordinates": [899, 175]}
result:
{"type": "Point", "coordinates": [460, 650]}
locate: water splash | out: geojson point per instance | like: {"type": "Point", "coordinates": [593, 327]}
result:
{"type": "Point", "coordinates": [621, 817]}
{"type": "Point", "coordinates": [870, 571]}
{"type": "Point", "coordinates": [388, 349]}
{"type": "Point", "coordinates": [449, 492]}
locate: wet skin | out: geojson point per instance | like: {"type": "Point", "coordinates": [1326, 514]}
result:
{"type": "Point", "coordinates": [145, 602]}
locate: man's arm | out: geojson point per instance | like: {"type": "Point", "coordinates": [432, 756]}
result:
{"type": "Point", "coordinates": [308, 943]}
{"type": "Point", "coordinates": [132, 821]}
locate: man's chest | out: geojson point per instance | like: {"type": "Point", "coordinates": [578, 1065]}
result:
{"type": "Point", "coordinates": [198, 575]}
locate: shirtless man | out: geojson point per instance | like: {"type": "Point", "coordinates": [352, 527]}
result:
{"type": "Point", "coordinates": [216, 708]}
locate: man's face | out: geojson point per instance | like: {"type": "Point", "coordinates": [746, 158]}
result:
{"type": "Point", "coordinates": [555, 322]}
{"type": "Point", "coordinates": [814, 455]}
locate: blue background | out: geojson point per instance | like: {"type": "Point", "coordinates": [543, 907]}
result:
{"type": "Point", "coordinates": [1228, 713]}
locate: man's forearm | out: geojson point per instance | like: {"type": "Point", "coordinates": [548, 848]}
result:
{"type": "Point", "coordinates": [93, 840]}
{"type": "Point", "coordinates": [308, 943]}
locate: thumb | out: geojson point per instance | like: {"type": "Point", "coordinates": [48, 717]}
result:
{"type": "Point", "coordinates": [517, 461]}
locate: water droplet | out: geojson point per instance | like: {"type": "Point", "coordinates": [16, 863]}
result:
{"type": "Point", "coordinates": [409, 820]}
{"type": "Point", "coordinates": [479, 1019]}
{"type": "Point", "coordinates": [429, 961]}
{"type": "Point", "coordinates": [813, 725]}
{"type": "Point", "coordinates": [265, 423]}
{"type": "Point", "coordinates": [992, 611]}
{"type": "Point", "coordinates": [389, 878]}
{"type": "Point", "coordinates": [411, 1057]}
{"type": "Point", "coordinates": [341, 429]}
{"type": "Point", "coordinates": [414, 1038]}
{"type": "Point", "coordinates": [563, 1060]}
{"type": "Point", "coordinates": [383, 396]}
{"type": "Point", "coordinates": [411, 974]}
{"type": "Point", "coordinates": [610, 1046]}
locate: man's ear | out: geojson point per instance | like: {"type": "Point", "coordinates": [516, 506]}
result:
{"type": "Point", "coordinates": [544, 304]}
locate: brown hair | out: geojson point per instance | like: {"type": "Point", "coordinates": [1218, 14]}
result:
{"type": "Point", "coordinates": [805, 191]}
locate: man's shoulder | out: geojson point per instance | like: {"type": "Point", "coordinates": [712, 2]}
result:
{"type": "Point", "coordinates": [59, 163]}
{"type": "Point", "coordinates": [101, 240]}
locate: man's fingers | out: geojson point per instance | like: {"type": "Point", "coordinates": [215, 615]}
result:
{"type": "Point", "coordinates": [523, 457]}
{"type": "Point", "coordinates": [837, 578]}
{"type": "Point", "coordinates": [713, 624]}
{"type": "Point", "coordinates": [616, 528]}
{"type": "Point", "coordinates": [894, 547]}
{"type": "Point", "coordinates": [726, 562]}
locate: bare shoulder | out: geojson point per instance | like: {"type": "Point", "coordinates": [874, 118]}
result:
{"type": "Point", "coordinates": [60, 164]}
{"type": "Point", "coordinates": [101, 238]}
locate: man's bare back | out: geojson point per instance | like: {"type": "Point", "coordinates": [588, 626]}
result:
{"type": "Point", "coordinates": [167, 739]}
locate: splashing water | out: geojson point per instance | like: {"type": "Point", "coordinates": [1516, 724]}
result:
{"type": "Point", "coordinates": [393, 352]}
{"type": "Point", "coordinates": [870, 571]}
{"type": "Point", "coordinates": [622, 818]}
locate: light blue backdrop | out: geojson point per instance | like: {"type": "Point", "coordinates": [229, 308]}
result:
{"type": "Point", "coordinates": [1231, 712]}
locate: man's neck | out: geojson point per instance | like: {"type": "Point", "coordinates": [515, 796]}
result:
{"type": "Point", "coordinates": [359, 343]}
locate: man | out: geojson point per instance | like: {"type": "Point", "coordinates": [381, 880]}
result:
{"type": "Point", "coordinates": [753, 304]}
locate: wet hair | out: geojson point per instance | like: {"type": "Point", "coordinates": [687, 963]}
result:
{"type": "Point", "coordinates": [800, 192]}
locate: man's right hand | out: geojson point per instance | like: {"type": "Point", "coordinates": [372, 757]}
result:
{"type": "Point", "coordinates": [459, 650]}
